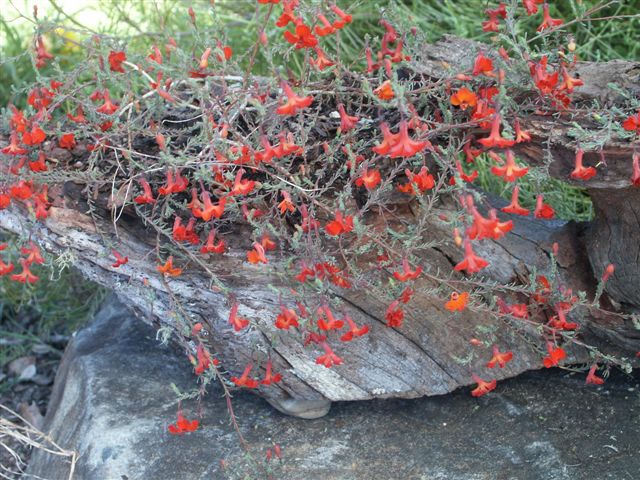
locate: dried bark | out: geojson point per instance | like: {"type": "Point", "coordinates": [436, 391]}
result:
{"type": "Point", "coordinates": [428, 355]}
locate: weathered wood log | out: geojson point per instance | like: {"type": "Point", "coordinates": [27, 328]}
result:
{"type": "Point", "coordinates": [429, 354]}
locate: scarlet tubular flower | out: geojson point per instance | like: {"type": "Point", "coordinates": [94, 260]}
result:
{"type": "Point", "coordinates": [294, 102]}
{"type": "Point", "coordinates": [174, 185]}
{"type": "Point", "coordinates": [568, 82]}
{"type": "Point", "coordinates": [286, 319]}
{"type": "Point", "coordinates": [42, 55]}
{"type": "Point", "coordinates": [404, 146]}
{"type": "Point", "coordinates": [14, 147]}
{"type": "Point", "coordinates": [492, 24]}
{"type": "Point", "coordinates": [370, 179]}
{"type": "Point", "coordinates": [547, 21]}
{"type": "Point", "coordinates": [521, 136]}
{"type": "Point", "coordinates": [204, 359]}
{"type": "Point", "coordinates": [120, 260]}
{"type": "Point", "coordinates": [326, 320]}
{"type": "Point", "coordinates": [471, 262]}
{"type": "Point", "coordinates": [244, 380]}
{"type": "Point", "coordinates": [592, 378]}
{"type": "Point", "coordinates": [207, 210]}
{"type": "Point", "coordinates": [303, 38]}
{"type": "Point", "coordinates": [560, 321]}
{"type": "Point", "coordinates": [354, 330]}
{"type": "Point", "coordinates": [169, 269]}
{"type": "Point", "coordinates": [407, 273]}
{"type": "Point", "coordinates": [210, 246]}
{"type": "Point", "coordinates": [458, 302]}
{"type": "Point", "coordinates": [32, 253]}
{"type": "Point", "coordinates": [531, 6]}
{"type": "Point", "coordinates": [326, 29]}
{"type": "Point", "coordinates": [322, 61]}
{"type": "Point", "coordinates": [499, 358]}
{"type": "Point", "coordinates": [341, 224]}
{"type": "Point", "coordinates": [147, 196]}
{"type": "Point", "coordinates": [580, 172]}
{"type": "Point", "coordinates": [495, 139]}
{"type": "Point", "coordinates": [183, 425]}
{"type": "Point", "coordinates": [483, 386]}
{"type": "Point", "coordinates": [185, 233]}
{"type": "Point", "coordinates": [5, 268]}
{"type": "Point", "coordinates": [329, 359]}
{"type": "Point", "coordinates": [483, 65]}
{"type": "Point", "coordinates": [115, 61]}
{"type": "Point", "coordinates": [108, 107]}
{"type": "Point", "coordinates": [235, 320]}
{"type": "Point", "coordinates": [555, 355]}
{"type": "Point", "coordinates": [35, 137]}
{"type": "Point", "coordinates": [464, 98]}
{"type": "Point", "coordinates": [542, 209]}
{"type": "Point", "coordinates": [344, 17]}
{"type": "Point", "coordinates": [385, 91]}
{"type": "Point", "coordinates": [256, 255]}
{"type": "Point", "coordinates": [394, 314]}
{"type": "Point", "coordinates": [510, 172]}
{"type": "Point", "coordinates": [269, 376]}
{"type": "Point", "coordinates": [21, 190]}
{"type": "Point", "coordinates": [632, 123]}
{"type": "Point", "coordinates": [286, 205]}
{"type": "Point", "coordinates": [26, 276]}
{"type": "Point", "coordinates": [608, 272]}
{"type": "Point", "coordinates": [67, 141]}
{"type": "Point", "coordinates": [514, 207]}
{"type": "Point", "coordinates": [347, 122]}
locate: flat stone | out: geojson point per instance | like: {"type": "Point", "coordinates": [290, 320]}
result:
{"type": "Point", "coordinates": [112, 402]}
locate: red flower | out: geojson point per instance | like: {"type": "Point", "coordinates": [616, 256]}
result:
{"type": "Point", "coordinates": [542, 209]}
{"type": "Point", "coordinates": [404, 146]}
{"type": "Point", "coordinates": [385, 91]}
{"type": "Point", "coordinates": [5, 201]}
{"type": "Point", "coordinates": [568, 82]}
{"type": "Point", "coordinates": [406, 295]}
{"type": "Point", "coordinates": [238, 322]}
{"type": "Point", "coordinates": [547, 21]}
{"type": "Point", "coordinates": [354, 330]}
{"type": "Point", "coordinates": [322, 61]}
{"type": "Point", "coordinates": [211, 247]}
{"type": "Point", "coordinates": [5, 268]}
{"type": "Point", "coordinates": [531, 6]}
{"type": "Point", "coordinates": [21, 190]}
{"type": "Point", "coordinates": [521, 136]}
{"type": "Point", "coordinates": [471, 263]}
{"type": "Point", "coordinates": [514, 207]}
{"type": "Point", "coordinates": [42, 55]}
{"type": "Point", "coordinates": [294, 102]}
{"type": "Point", "coordinates": [369, 178]}
{"type": "Point", "coordinates": [555, 355]}
{"type": "Point", "coordinates": [330, 322]}
{"type": "Point", "coordinates": [35, 137]}
{"type": "Point", "coordinates": [242, 186]}
{"type": "Point", "coordinates": [423, 180]}
{"type": "Point", "coordinates": [286, 205]}
{"type": "Point", "coordinates": [632, 123]}
{"type": "Point", "coordinates": [458, 302]}
{"type": "Point", "coordinates": [257, 254]}
{"type": "Point", "coordinates": [244, 380]}
{"type": "Point", "coordinates": [510, 172]}
{"type": "Point", "coordinates": [580, 172]}
{"type": "Point", "coordinates": [183, 425]}
{"type": "Point", "coordinates": [25, 276]}
{"type": "Point", "coordinates": [177, 185]}
{"type": "Point", "coordinates": [185, 233]}
{"type": "Point", "coordinates": [67, 141]}
{"type": "Point", "coordinates": [115, 61]}
{"type": "Point", "coordinates": [39, 165]}
{"type": "Point", "coordinates": [483, 65]}
{"type": "Point", "coordinates": [286, 319]}
{"type": "Point", "coordinates": [169, 269]}
{"type": "Point", "coordinates": [341, 224]}
{"type": "Point", "coordinates": [560, 321]}
{"type": "Point", "coordinates": [207, 210]}
{"type": "Point", "coordinates": [329, 358]}
{"type": "Point", "coordinates": [344, 17]}
{"type": "Point", "coordinates": [592, 377]}
{"type": "Point", "coordinates": [120, 260]}
{"type": "Point", "coordinates": [147, 197]}
{"type": "Point", "coordinates": [407, 273]}
{"type": "Point", "coordinates": [494, 15]}
{"type": "Point", "coordinates": [495, 139]}
{"type": "Point", "coordinates": [347, 122]}
{"type": "Point", "coordinates": [204, 359]}
{"type": "Point", "coordinates": [483, 386]}
{"type": "Point", "coordinates": [108, 107]}
{"type": "Point", "coordinates": [394, 314]}
{"type": "Point", "coordinates": [269, 377]}
{"type": "Point", "coordinates": [303, 38]}
{"type": "Point", "coordinates": [327, 29]}
{"type": "Point", "coordinates": [464, 98]}
{"type": "Point", "coordinates": [499, 358]}
{"type": "Point", "coordinates": [608, 272]}
{"type": "Point", "coordinates": [14, 147]}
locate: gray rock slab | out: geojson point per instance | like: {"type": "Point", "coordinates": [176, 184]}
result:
{"type": "Point", "coordinates": [112, 402]}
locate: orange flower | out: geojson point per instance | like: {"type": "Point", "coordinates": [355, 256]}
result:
{"type": "Point", "coordinates": [210, 246]}
{"type": "Point", "coordinates": [235, 320]}
{"type": "Point", "coordinates": [257, 254]}
{"type": "Point", "coordinates": [244, 380]}
{"type": "Point", "coordinates": [269, 377]}
{"type": "Point", "coordinates": [329, 358]}
{"type": "Point", "coordinates": [169, 269]}
{"type": "Point", "coordinates": [547, 21]}
{"type": "Point", "coordinates": [67, 141]}
{"type": "Point", "coordinates": [514, 207]}
{"type": "Point", "coordinates": [407, 273]}
{"type": "Point", "coordinates": [542, 209]}
{"type": "Point", "coordinates": [423, 180]}
{"type": "Point", "coordinates": [580, 172]}
{"type": "Point", "coordinates": [303, 38]}
{"type": "Point", "coordinates": [464, 98]}
{"type": "Point", "coordinates": [341, 224]}
{"type": "Point", "coordinates": [286, 319]}
{"type": "Point", "coordinates": [286, 204]}
{"type": "Point", "coordinates": [183, 425]}
{"type": "Point", "coordinates": [354, 330]}
{"type": "Point", "coordinates": [385, 91]}
{"type": "Point", "coordinates": [495, 139]}
{"type": "Point", "coordinates": [330, 322]}
{"type": "Point", "coordinates": [458, 302]}
{"type": "Point", "coordinates": [394, 314]}
{"type": "Point", "coordinates": [294, 102]}
{"type": "Point", "coordinates": [482, 65]}
{"type": "Point", "coordinates": [632, 123]}
{"type": "Point", "coordinates": [347, 122]}
{"type": "Point", "coordinates": [555, 355]}
{"type": "Point", "coordinates": [369, 178]}
{"type": "Point", "coordinates": [499, 358]}
{"type": "Point", "coordinates": [115, 61]}
{"type": "Point", "coordinates": [483, 386]}
{"type": "Point", "coordinates": [147, 196]}
{"type": "Point", "coordinates": [471, 262]}
{"type": "Point", "coordinates": [26, 276]}
{"type": "Point", "coordinates": [509, 172]}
